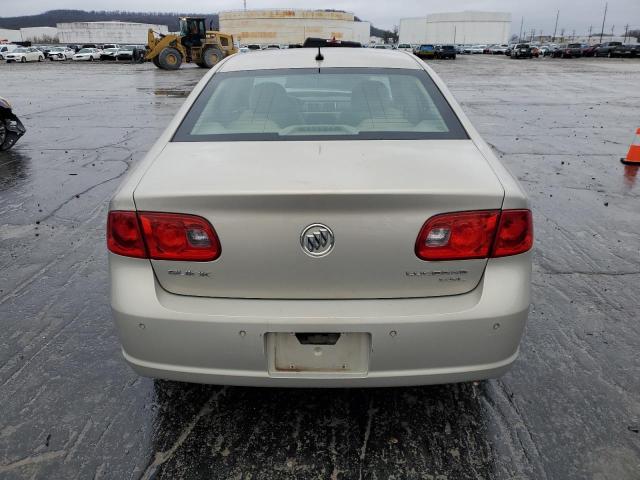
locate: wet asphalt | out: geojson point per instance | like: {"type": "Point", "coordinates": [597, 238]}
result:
{"type": "Point", "coordinates": [569, 409]}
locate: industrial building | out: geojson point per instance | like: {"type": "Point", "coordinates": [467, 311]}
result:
{"type": "Point", "coordinates": [458, 27]}
{"type": "Point", "coordinates": [106, 32]}
{"type": "Point", "coordinates": [30, 34]}
{"type": "Point", "coordinates": [285, 27]}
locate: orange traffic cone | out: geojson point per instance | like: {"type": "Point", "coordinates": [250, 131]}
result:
{"type": "Point", "coordinates": [633, 157]}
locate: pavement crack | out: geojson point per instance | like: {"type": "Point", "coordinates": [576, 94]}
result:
{"type": "Point", "coordinates": [162, 457]}
{"type": "Point", "coordinates": [31, 460]}
{"type": "Point", "coordinates": [367, 433]}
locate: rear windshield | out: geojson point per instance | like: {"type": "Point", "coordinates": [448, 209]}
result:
{"type": "Point", "coordinates": [307, 104]}
{"type": "Point", "coordinates": [448, 47]}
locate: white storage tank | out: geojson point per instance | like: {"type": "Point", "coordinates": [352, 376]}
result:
{"type": "Point", "coordinates": [458, 28]}
{"type": "Point", "coordinates": [107, 32]}
{"type": "Point", "coordinates": [284, 27]}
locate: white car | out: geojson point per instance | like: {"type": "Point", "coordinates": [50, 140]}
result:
{"type": "Point", "coordinates": [405, 47]}
{"type": "Point", "coordinates": [7, 48]}
{"type": "Point", "coordinates": [111, 53]}
{"type": "Point", "coordinates": [499, 49]}
{"type": "Point", "coordinates": [24, 54]}
{"type": "Point", "coordinates": [477, 49]}
{"type": "Point", "coordinates": [327, 222]}
{"type": "Point", "coordinates": [61, 53]}
{"type": "Point", "coordinates": [87, 54]}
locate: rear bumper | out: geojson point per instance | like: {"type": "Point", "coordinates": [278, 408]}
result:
{"type": "Point", "coordinates": [413, 341]}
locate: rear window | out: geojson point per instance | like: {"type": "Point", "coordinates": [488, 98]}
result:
{"type": "Point", "coordinates": [307, 104]}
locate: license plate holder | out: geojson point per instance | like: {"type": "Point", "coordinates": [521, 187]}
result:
{"type": "Point", "coordinates": [289, 356]}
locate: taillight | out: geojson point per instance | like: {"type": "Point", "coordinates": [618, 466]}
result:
{"type": "Point", "coordinates": [166, 236]}
{"type": "Point", "coordinates": [173, 236]}
{"type": "Point", "coordinates": [124, 236]}
{"type": "Point", "coordinates": [515, 233]}
{"type": "Point", "coordinates": [475, 234]}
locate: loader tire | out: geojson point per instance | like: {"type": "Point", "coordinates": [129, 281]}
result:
{"type": "Point", "coordinates": [156, 62]}
{"type": "Point", "coordinates": [170, 59]}
{"type": "Point", "coordinates": [210, 56]}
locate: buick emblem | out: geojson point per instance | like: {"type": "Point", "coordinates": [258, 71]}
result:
{"type": "Point", "coordinates": [317, 240]}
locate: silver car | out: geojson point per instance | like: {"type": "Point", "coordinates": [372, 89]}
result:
{"type": "Point", "coordinates": [320, 220]}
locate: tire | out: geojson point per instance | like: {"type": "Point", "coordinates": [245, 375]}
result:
{"type": "Point", "coordinates": [156, 62]}
{"type": "Point", "coordinates": [169, 59]}
{"type": "Point", "coordinates": [610, 55]}
{"type": "Point", "coordinates": [91, 59]}
{"type": "Point", "coordinates": [210, 56]}
{"type": "Point", "coordinates": [40, 59]}
{"type": "Point", "coordinates": [23, 60]}
{"type": "Point", "coordinates": [7, 138]}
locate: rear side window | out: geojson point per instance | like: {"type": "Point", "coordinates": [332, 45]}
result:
{"type": "Point", "coordinates": [330, 104]}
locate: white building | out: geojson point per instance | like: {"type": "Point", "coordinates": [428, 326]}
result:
{"type": "Point", "coordinates": [285, 27]}
{"type": "Point", "coordinates": [458, 27]}
{"type": "Point", "coordinates": [39, 34]}
{"type": "Point", "coordinates": [8, 36]}
{"type": "Point", "coordinates": [106, 32]}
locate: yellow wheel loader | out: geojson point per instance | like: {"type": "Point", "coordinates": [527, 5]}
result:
{"type": "Point", "coordinates": [194, 44]}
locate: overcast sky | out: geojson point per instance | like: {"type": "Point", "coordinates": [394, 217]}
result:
{"type": "Point", "coordinates": [538, 14]}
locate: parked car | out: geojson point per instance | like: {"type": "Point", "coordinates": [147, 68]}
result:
{"type": "Point", "coordinates": [445, 51]}
{"type": "Point", "coordinates": [607, 49]}
{"type": "Point", "coordinates": [570, 50]}
{"type": "Point", "coordinates": [535, 51]}
{"type": "Point", "coordinates": [87, 54]}
{"type": "Point", "coordinates": [629, 50]}
{"type": "Point", "coordinates": [109, 54]}
{"type": "Point", "coordinates": [383, 46]}
{"type": "Point", "coordinates": [405, 47]}
{"type": "Point", "coordinates": [475, 49]}
{"type": "Point", "coordinates": [273, 46]}
{"type": "Point", "coordinates": [590, 50]}
{"type": "Point", "coordinates": [44, 49]}
{"type": "Point", "coordinates": [522, 50]}
{"type": "Point", "coordinates": [131, 53]}
{"type": "Point", "coordinates": [253, 46]}
{"type": "Point", "coordinates": [110, 45]}
{"type": "Point", "coordinates": [499, 49]}
{"type": "Point", "coordinates": [24, 54]}
{"type": "Point", "coordinates": [61, 53]}
{"type": "Point", "coordinates": [5, 49]}
{"type": "Point", "coordinates": [425, 51]}
{"type": "Point", "coordinates": [233, 262]}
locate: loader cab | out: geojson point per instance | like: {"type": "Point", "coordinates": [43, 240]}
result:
{"type": "Point", "coordinates": [193, 31]}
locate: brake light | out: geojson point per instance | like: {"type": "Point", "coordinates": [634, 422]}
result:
{"type": "Point", "coordinates": [475, 234]}
{"type": "Point", "coordinates": [124, 236]}
{"type": "Point", "coordinates": [162, 236]}
{"type": "Point", "coordinates": [457, 236]}
{"type": "Point", "coordinates": [515, 233]}
{"type": "Point", "coordinates": [173, 236]}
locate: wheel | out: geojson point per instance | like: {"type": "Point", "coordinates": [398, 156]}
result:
{"type": "Point", "coordinates": [170, 59]}
{"type": "Point", "coordinates": [91, 59]}
{"type": "Point", "coordinates": [23, 60]}
{"type": "Point", "coordinates": [610, 55]}
{"type": "Point", "coordinates": [156, 62]}
{"type": "Point", "coordinates": [40, 58]}
{"type": "Point", "coordinates": [7, 137]}
{"type": "Point", "coordinates": [210, 56]}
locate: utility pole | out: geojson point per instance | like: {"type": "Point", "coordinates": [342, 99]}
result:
{"type": "Point", "coordinates": [555, 29]}
{"type": "Point", "coordinates": [604, 18]}
{"type": "Point", "coordinates": [520, 35]}
{"type": "Point", "coordinates": [245, 5]}
{"type": "Point", "coordinates": [626, 31]}
{"type": "Point", "coordinates": [590, 28]}
{"type": "Point", "coordinates": [573, 36]}
{"type": "Point", "coordinates": [454, 34]}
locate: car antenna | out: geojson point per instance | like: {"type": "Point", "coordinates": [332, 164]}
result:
{"type": "Point", "coordinates": [319, 56]}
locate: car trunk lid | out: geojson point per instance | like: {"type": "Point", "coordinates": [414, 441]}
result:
{"type": "Point", "coordinates": [374, 196]}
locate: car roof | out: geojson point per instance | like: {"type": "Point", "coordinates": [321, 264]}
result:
{"type": "Point", "coordinates": [333, 57]}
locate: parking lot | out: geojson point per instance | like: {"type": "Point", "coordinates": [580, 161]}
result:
{"type": "Point", "coordinates": [569, 409]}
